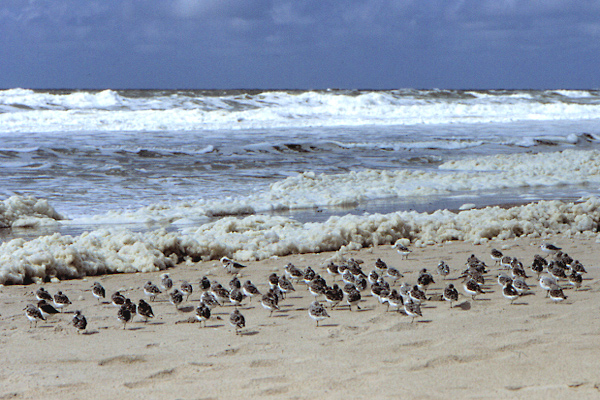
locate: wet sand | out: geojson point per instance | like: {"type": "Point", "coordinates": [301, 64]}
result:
{"type": "Point", "coordinates": [483, 348]}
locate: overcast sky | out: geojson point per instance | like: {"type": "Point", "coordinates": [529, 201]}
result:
{"type": "Point", "coordinates": [305, 44]}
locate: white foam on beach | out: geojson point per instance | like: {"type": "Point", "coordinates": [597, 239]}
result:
{"type": "Point", "coordinates": [66, 257]}
{"type": "Point", "coordinates": [27, 212]}
{"type": "Point", "coordinates": [258, 237]}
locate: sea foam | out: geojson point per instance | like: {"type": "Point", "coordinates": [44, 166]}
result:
{"type": "Point", "coordinates": [27, 212]}
{"type": "Point", "coordinates": [258, 237]}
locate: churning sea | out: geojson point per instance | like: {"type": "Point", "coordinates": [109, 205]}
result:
{"type": "Point", "coordinates": [105, 181]}
{"type": "Point", "coordinates": [90, 153]}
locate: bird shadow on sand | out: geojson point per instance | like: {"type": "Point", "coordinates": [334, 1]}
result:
{"type": "Point", "coordinates": [213, 326]}
{"type": "Point", "coordinates": [527, 294]}
{"type": "Point", "coordinates": [89, 332]}
{"type": "Point", "coordinates": [465, 305]}
{"type": "Point", "coordinates": [219, 313]}
{"type": "Point", "coordinates": [248, 333]}
{"type": "Point", "coordinates": [363, 309]}
{"type": "Point", "coordinates": [135, 328]}
{"type": "Point", "coordinates": [327, 326]}
{"type": "Point", "coordinates": [186, 309]}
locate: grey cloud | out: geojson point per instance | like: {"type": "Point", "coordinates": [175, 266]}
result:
{"type": "Point", "coordinates": [287, 40]}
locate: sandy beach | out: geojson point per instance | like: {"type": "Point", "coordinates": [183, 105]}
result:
{"type": "Point", "coordinates": [483, 348]}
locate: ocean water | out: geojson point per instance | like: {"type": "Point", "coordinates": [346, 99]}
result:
{"type": "Point", "coordinates": [188, 163]}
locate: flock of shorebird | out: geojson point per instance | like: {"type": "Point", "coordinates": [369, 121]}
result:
{"type": "Point", "coordinates": [380, 281]}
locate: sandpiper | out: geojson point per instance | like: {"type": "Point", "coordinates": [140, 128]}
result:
{"type": "Point", "coordinates": [187, 289]}
{"type": "Point", "coordinates": [203, 313]}
{"type": "Point", "coordinates": [443, 269]}
{"type": "Point", "coordinates": [472, 287]}
{"type": "Point", "coordinates": [334, 295]}
{"type": "Point", "coordinates": [424, 280]}
{"type": "Point", "coordinates": [269, 302]}
{"type": "Point", "coordinates": [46, 308]}
{"type": "Point", "coordinates": [117, 299]}
{"type": "Point", "coordinates": [231, 266]}
{"type": "Point", "coordinates": [124, 315]}
{"type": "Point", "coordinates": [79, 321]}
{"type": "Point", "coordinates": [317, 312]}
{"type": "Point", "coordinates": [61, 300]}
{"type": "Point", "coordinates": [166, 282]}
{"type": "Point", "coordinates": [549, 248]}
{"type": "Point", "coordinates": [33, 314]}
{"type": "Point", "coordinates": [145, 310]}
{"type": "Point", "coordinates": [380, 265]}
{"type": "Point", "coordinates": [250, 290]}
{"type": "Point", "coordinates": [412, 309]}
{"type": "Point", "coordinates": [402, 250]}
{"type": "Point", "coordinates": [510, 292]}
{"type": "Point", "coordinates": [237, 320]}
{"type": "Point", "coordinates": [151, 290]}
{"type": "Point", "coordinates": [204, 284]}
{"type": "Point", "coordinates": [98, 291]}
{"type": "Point", "coordinates": [236, 297]}
{"type": "Point", "coordinates": [293, 273]}
{"type": "Point", "coordinates": [496, 256]}
{"type": "Point", "coordinates": [42, 294]}
{"type": "Point", "coordinates": [176, 298]}
{"type": "Point", "coordinates": [285, 285]}
{"type": "Point", "coordinates": [556, 294]}
{"type": "Point", "coordinates": [450, 294]}
{"type": "Point", "coordinates": [547, 283]}
{"type": "Point", "coordinates": [353, 297]}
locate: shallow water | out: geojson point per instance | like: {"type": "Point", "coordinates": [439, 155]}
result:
{"type": "Point", "coordinates": [86, 174]}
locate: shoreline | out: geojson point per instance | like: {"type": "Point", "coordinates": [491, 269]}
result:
{"type": "Point", "coordinates": [421, 204]}
{"type": "Point", "coordinates": [485, 348]}
{"type": "Point", "coordinates": [256, 237]}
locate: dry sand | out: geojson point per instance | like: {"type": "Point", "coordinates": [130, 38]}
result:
{"type": "Point", "coordinates": [487, 348]}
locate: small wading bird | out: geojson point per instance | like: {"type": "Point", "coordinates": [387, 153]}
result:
{"type": "Point", "coordinates": [61, 300]}
{"type": "Point", "coordinates": [151, 290]}
{"type": "Point", "coordinates": [402, 250]}
{"type": "Point", "coordinates": [98, 291]}
{"type": "Point", "coordinates": [124, 315]}
{"type": "Point", "coordinates": [203, 314]}
{"type": "Point", "coordinates": [33, 314]}
{"type": "Point", "coordinates": [145, 310]}
{"type": "Point", "coordinates": [450, 294]}
{"type": "Point", "coordinates": [317, 312]}
{"type": "Point", "coordinates": [79, 321]}
{"type": "Point", "coordinates": [237, 320]}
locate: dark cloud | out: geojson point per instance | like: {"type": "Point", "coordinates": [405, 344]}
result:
{"type": "Point", "coordinates": [308, 44]}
